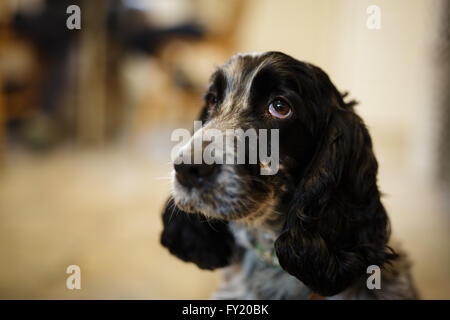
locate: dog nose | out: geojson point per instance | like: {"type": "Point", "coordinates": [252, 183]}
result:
{"type": "Point", "coordinates": [191, 175]}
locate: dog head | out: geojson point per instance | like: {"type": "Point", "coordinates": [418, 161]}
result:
{"type": "Point", "coordinates": [259, 97]}
{"type": "Point", "coordinates": [323, 194]}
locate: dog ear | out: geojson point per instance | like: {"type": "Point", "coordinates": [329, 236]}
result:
{"type": "Point", "coordinates": [336, 225]}
{"type": "Point", "coordinates": [207, 243]}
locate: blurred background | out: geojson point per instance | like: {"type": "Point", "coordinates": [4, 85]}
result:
{"type": "Point", "coordinates": [86, 117]}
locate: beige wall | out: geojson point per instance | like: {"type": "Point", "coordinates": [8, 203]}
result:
{"type": "Point", "coordinates": [388, 70]}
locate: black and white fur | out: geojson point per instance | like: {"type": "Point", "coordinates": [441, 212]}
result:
{"type": "Point", "coordinates": [320, 215]}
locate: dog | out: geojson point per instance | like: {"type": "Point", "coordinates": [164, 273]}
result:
{"type": "Point", "coordinates": [317, 227]}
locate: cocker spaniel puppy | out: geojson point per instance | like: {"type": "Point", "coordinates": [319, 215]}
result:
{"type": "Point", "coordinates": [315, 227]}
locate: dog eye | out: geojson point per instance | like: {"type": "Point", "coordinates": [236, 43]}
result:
{"type": "Point", "coordinates": [211, 100]}
{"type": "Point", "coordinates": [279, 109]}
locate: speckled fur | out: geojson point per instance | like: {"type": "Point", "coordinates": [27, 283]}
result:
{"type": "Point", "coordinates": [321, 214]}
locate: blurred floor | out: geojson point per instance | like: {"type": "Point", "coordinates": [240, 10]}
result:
{"type": "Point", "coordinates": [101, 211]}
{"type": "Point", "coordinates": [98, 210]}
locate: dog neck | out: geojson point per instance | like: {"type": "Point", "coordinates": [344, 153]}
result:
{"type": "Point", "coordinates": [260, 235]}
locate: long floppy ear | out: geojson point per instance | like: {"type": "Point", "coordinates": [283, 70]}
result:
{"type": "Point", "coordinates": [194, 238]}
{"type": "Point", "coordinates": [336, 225]}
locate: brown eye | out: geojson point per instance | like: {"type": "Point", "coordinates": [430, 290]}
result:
{"type": "Point", "coordinates": [211, 100]}
{"type": "Point", "coordinates": [279, 109]}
